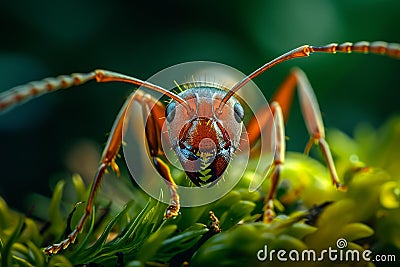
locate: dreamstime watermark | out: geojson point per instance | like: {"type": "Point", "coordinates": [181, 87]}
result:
{"type": "Point", "coordinates": [338, 254]}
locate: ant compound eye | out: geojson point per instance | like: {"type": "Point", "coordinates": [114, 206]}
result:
{"type": "Point", "coordinates": [239, 112]}
{"type": "Point", "coordinates": [170, 111]}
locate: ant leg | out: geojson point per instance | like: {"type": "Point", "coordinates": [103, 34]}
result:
{"type": "Point", "coordinates": [279, 159]}
{"type": "Point", "coordinates": [280, 108]}
{"type": "Point", "coordinates": [311, 113]}
{"type": "Point", "coordinates": [108, 159]}
{"type": "Point", "coordinates": [153, 125]}
{"type": "Point", "coordinates": [174, 206]}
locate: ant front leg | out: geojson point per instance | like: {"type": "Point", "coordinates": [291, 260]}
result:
{"type": "Point", "coordinates": [279, 159]}
{"type": "Point", "coordinates": [108, 159]}
{"type": "Point", "coordinates": [254, 128]}
{"type": "Point", "coordinates": [153, 133]}
{"type": "Point", "coordinates": [154, 116]}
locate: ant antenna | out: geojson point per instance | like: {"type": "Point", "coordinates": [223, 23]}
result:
{"type": "Point", "coordinates": [109, 76]}
{"type": "Point", "coordinates": [381, 48]}
{"type": "Point", "coordinates": [22, 93]}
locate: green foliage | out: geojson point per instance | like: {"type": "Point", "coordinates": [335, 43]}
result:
{"type": "Point", "coordinates": [367, 215]}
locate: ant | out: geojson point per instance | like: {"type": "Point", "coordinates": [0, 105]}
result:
{"type": "Point", "coordinates": [204, 124]}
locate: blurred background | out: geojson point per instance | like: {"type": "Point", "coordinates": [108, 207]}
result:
{"type": "Point", "coordinates": [64, 132]}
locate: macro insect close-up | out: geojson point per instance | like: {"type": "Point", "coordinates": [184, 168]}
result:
{"type": "Point", "coordinates": [203, 126]}
{"type": "Point", "coordinates": [195, 169]}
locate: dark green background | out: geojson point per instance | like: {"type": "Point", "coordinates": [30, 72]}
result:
{"type": "Point", "coordinates": [47, 38]}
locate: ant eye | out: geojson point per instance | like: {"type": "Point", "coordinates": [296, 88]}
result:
{"type": "Point", "coordinates": [239, 112]}
{"type": "Point", "coordinates": [170, 111]}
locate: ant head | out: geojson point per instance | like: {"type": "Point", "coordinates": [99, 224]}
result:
{"type": "Point", "coordinates": [205, 138]}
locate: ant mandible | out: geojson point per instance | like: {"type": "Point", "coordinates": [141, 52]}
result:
{"type": "Point", "coordinates": [203, 112]}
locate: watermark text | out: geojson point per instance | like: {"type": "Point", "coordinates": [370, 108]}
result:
{"type": "Point", "coordinates": [340, 253]}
